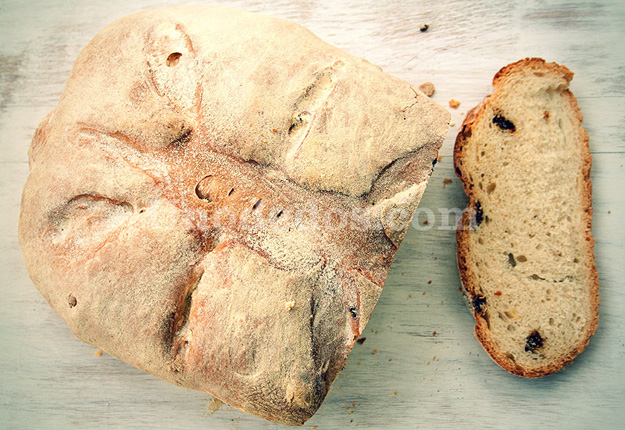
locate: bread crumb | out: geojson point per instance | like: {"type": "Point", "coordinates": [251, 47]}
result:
{"type": "Point", "coordinates": [213, 405]}
{"type": "Point", "coordinates": [498, 293]}
{"type": "Point", "coordinates": [434, 333]}
{"type": "Point", "coordinates": [313, 428]}
{"type": "Point", "coordinates": [426, 222]}
{"type": "Point", "coordinates": [454, 104]}
{"type": "Point", "coordinates": [390, 359]}
{"type": "Point", "coordinates": [439, 158]}
{"type": "Point", "coordinates": [98, 353]}
{"type": "Point", "coordinates": [427, 88]}
{"type": "Point", "coordinates": [424, 28]}
{"type": "Point", "coordinates": [429, 282]}
{"type": "Point", "coordinates": [375, 351]}
{"type": "Point", "coordinates": [394, 393]}
{"type": "Point", "coordinates": [452, 124]}
{"type": "Point", "coordinates": [361, 340]}
{"type": "Point", "coordinates": [446, 181]}
{"type": "Point", "coordinates": [358, 362]}
{"type": "Point", "coordinates": [289, 305]}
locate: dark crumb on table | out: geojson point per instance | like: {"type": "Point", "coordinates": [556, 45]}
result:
{"type": "Point", "coordinates": [426, 222]}
{"type": "Point", "coordinates": [429, 282]}
{"type": "Point", "coordinates": [361, 340]}
{"type": "Point", "coordinates": [374, 351]}
{"type": "Point", "coordinates": [446, 181]}
{"type": "Point", "coordinates": [98, 353]}
{"type": "Point", "coordinates": [434, 333]}
{"type": "Point", "coordinates": [424, 28]}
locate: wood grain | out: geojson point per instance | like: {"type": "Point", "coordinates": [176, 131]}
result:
{"type": "Point", "coordinates": [416, 379]}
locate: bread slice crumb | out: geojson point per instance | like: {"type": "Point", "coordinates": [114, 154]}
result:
{"type": "Point", "coordinates": [524, 248]}
{"type": "Point", "coordinates": [454, 104]}
{"type": "Point", "coordinates": [427, 88]}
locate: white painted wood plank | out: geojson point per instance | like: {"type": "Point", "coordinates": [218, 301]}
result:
{"type": "Point", "coordinates": [49, 379]}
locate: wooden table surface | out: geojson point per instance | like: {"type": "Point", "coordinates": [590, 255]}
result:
{"type": "Point", "coordinates": [417, 379]}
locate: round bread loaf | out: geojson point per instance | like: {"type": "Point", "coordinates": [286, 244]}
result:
{"type": "Point", "coordinates": [217, 200]}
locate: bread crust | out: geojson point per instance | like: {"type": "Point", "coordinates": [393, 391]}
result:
{"type": "Point", "coordinates": [463, 251]}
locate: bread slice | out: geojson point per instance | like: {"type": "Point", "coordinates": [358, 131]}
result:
{"type": "Point", "coordinates": [524, 246]}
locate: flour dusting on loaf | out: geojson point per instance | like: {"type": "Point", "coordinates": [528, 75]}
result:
{"type": "Point", "coordinates": [217, 200]}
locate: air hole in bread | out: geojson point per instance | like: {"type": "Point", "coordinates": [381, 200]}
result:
{"type": "Point", "coordinates": [230, 192]}
{"type": "Point", "coordinates": [202, 189]}
{"type": "Point", "coordinates": [511, 260]}
{"type": "Point", "coordinates": [257, 204]}
{"type": "Point", "coordinates": [521, 258]}
{"type": "Point", "coordinates": [173, 59]}
{"type": "Point", "coordinates": [352, 310]}
{"type": "Point", "coordinates": [279, 214]}
{"type": "Point", "coordinates": [491, 188]}
{"type": "Point", "coordinates": [552, 321]}
{"type": "Point", "coordinates": [71, 301]}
